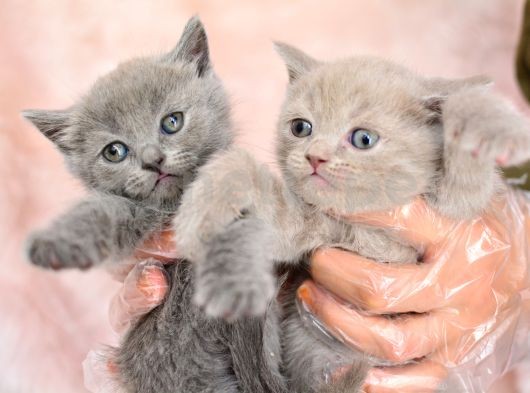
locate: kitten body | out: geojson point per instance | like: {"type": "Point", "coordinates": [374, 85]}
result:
{"type": "Point", "coordinates": [176, 348]}
{"type": "Point", "coordinates": [434, 138]}
{"type": "Point", "coordinates": [136, 140]}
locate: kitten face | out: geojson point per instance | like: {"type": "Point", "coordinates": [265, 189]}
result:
{"type": "Point", "coordinates": [142, 129]}
{"type": "Point", "coordinates": [133, 105]}
{"type": "Point", "coordinates": [371, 141]}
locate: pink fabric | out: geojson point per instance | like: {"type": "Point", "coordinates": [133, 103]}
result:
{"type": "Point", "coordinates": [52, 51]}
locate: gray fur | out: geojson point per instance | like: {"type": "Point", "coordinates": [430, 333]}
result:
{"type": "Point", "coordinates": [127, 105]}
{"type": "Point", "coordinates": [178, 349]}
{"type": "Point", "coordinates": [96, 229]}
{"type": "Point", "coordinates": [175, 348]}
{"type": "Point", "coordinates": [438, 139]}
{"type": "Point", "coordinates": [230, 269]}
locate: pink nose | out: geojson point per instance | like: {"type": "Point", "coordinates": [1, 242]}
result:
{"type": "Point", "coordinates": [315, 161]}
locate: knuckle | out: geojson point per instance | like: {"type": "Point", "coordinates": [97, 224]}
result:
{"type": "Point", "coordinates": [369, 299]}
{"type": "Point", "coordinates": [404, 346]}
{"type": "Point", "coordinates": [396, 353]}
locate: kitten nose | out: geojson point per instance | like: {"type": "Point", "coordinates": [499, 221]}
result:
{"type": "Point", "coordinates": [315, 161]}
{"type": "Point", "coordinates": [152, 158]}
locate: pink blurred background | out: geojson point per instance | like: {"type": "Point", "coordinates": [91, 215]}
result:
{"type": "Point", "coordinates": [53, 50]}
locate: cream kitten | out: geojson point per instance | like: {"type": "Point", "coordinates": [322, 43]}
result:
{"type": "Point", "coordinates": [354, 135]}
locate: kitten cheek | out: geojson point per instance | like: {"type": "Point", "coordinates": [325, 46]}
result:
{"type": "Point", "coordinates": [298, 165]}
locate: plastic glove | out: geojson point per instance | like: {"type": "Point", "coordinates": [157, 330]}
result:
{"type": "Point", "coordinates": [470, 293]}
{"type": "Point", "coordinates": [145, 283]}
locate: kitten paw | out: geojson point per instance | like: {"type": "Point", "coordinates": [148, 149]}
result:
{"type": "Point", "coordinates": [488, 128]}
{"type": "Point", "coordinates": [235, 278]}
{"type": "Point", "coordinates": [56, 254]}
{"type": "Point", "coordinates": [233, 297]}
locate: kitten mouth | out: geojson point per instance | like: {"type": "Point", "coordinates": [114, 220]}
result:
{"type": "Point", "coordinates": [319, 179]}
{"type": "Point", "coordinates": [163, 177]}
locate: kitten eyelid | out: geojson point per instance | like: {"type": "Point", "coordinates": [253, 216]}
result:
{"type": "Point", "coordinates": [115, 141]}
{"type": "Point", "coordinates": [367, 127]}
{"type": "Point", "coordinates": [291, 115]}
{"type": "Point", "coordinates": [107, 137]}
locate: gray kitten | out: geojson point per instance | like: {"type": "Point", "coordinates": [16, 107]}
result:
{"type": "Point", "coordinates": [355, 135]}
{"type": "Point", "coordinates": [136, 140]}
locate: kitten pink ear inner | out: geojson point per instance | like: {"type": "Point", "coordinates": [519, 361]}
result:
{"type": "Point", "coordinates": [52, 124]}
{"type": "Point", "coordinates": [298, 63]}
{"type": "Point", "coordinates": [192, 47]}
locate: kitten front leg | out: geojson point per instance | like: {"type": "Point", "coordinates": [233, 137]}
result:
{"type": "Point", "coordinates": [481, 131]}
{"type": "Point", "coordinates": [225, 226]}
{"type": "Point", "coordinates": [236, 279]}
{"type": "Point", "coordinates": [93, 231]}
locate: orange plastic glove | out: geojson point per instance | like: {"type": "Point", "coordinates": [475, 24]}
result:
{"type": "Point", "coordinates": [470, 293]}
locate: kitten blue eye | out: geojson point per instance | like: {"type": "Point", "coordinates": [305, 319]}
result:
{"type": "Point", "coordinates": [115, 152]}
{"type": "Point", "coordinates": [301, 128]}
{"type": "Point", "coordinates": [363, 139]}
{"type": "Point", "coordinates": [172, 123]}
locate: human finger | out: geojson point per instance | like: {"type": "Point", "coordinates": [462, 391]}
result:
{"type": "Point", "coordinates": [160, 245]}
{"type": "Point", "coordinates": [423, 377]}
{"type": "Point", "coordinates": [416, 222]}
{"type": "Point", "coordinates": [144, 288]}
{"type": "Point", "coordinates": [398, 340]}
{"type": "Point", "coordinates": [377, 287]}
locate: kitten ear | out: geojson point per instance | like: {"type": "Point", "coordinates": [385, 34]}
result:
{"type": "Point", "coordinates": [192, 47]}
{"type": "Point", "coordinates": [297, 62]}
{"type": "Point", "coordinates": [433, 106]}
{"type": "Point", "coordinates": [441, 88]}
{"type": "Point", "coordinates": [51, 123]}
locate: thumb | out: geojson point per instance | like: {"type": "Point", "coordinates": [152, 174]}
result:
{"type": "Point", "coordinates": [144, 288]}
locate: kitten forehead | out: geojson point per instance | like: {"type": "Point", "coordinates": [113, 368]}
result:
{"type": "Point", "coordinates": [135, 87]}
{"type": "Point", "coordinates": [370, 79]}
{"type": "Point", "coordinates": [359, 88]}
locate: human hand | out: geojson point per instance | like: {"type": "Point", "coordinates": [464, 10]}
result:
{"type": "Point", "coordinates": [470, 293]}
{"type": "Point", "coordinates": [145, 283]}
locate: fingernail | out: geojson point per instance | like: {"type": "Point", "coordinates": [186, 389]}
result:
{"type": "Point", "coordinates": [112, 367]}
{"type": "Point", "coordinates": [306, 296]}
{"type": "Point", "coordinates": [152, 284]}
{"type": "Point", "coordinates": [374, 376]}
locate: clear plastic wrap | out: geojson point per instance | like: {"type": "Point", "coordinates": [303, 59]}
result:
{"type": "Point", "coordinates": [463, 312]}
{"type": "Point", "coordinates": [145, 285]}
{"type": "Point", "coordinates": [143, 289]}
{"type": "Point", "coordinates": [145, 281]}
